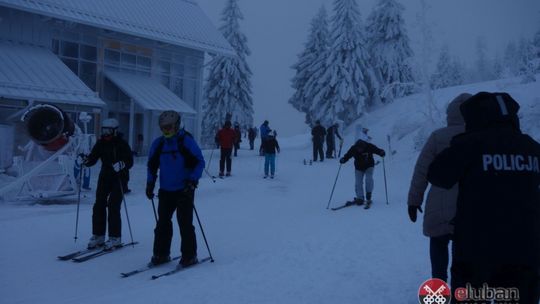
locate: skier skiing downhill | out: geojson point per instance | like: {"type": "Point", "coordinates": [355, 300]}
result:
{"type": "Point", "coordinates": [496, 240]}
{"type": "Point", "coordinates": [180, 163]}
{"type": "Point", "coordinates": [116, 160]}
{"type": "Point", "coordinates": [362, 152]}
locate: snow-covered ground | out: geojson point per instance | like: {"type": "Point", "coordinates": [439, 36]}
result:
{"type": "Point", "coordinates": [273, 241]}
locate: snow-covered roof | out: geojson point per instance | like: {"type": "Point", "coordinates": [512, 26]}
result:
{"type": "Point", "coordinates": [178, 22]}
{"type": "Point", "coordinates": [148, 93]}
{"type": "Point", "coordinates": [35, 73]}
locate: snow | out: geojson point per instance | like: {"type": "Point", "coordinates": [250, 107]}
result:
{"type": "Point", "coordinates": [273, 241]}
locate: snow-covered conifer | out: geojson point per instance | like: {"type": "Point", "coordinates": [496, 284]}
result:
{"type": "Point", "coordinates": [228, 85]}
{"type": "Point", "coordinates": [389, 49]}
{"type": "Point", "coordinates": [310, 61]}
{"type": "Point", "coordinates": [342, 90]}
{"type": "Point", "coordinates": [448, 71]}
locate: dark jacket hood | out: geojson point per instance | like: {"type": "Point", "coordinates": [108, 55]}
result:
{"type": "Point", "coordinates": [486, 109]}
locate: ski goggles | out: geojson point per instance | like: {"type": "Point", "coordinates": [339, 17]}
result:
{"type": "Point", "coordinates": [168, 130]}
{"type": "Point", "coordinates": [107, 131]}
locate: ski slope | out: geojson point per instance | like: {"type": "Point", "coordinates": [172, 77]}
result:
{"type": "Point", "coordinates": [273, 241]}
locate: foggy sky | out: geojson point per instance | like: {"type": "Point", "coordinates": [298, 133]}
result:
{"type": "Point", "coordinates": [277, 30]}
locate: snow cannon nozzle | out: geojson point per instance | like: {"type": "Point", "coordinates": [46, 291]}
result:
{"type": "Point", "coordinates": [48, 126]}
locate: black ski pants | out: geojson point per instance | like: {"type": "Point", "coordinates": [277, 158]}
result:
{"type": "Point", "coordinates": [108, 198]}
{"type": "Point", "coordinates": [318, 150]}
{"type": "Point", "coordinates": [225, 159]}
{"type": "Point", "coordinates": [182, 203]}
{"type": "Point", "coordinates": [252, 144]}
{"type": "Point", "coordinates": [330, 148]}
{"type": "Point", "coordinates": [438, 253]}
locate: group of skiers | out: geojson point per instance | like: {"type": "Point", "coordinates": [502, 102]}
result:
{"type": "Point", "coordinates": [226, 138]}
{"type": "Point", "coordinates": [484, 197]}
{"type": "Point", "coordinates": [319, 134]}
{"type": "Point", "coordinates": [180, 163]}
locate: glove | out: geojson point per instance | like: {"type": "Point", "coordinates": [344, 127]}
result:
{"type": "Point", "coordinates": [81, 159]}
{"type": "Point", "coordinates": [190, 186]}
{"type": "Point", "coordinates": [383, 153]}
{"type": "Point", "coordinates": [150, 190]}
{"type": "Point", "coordinates": [119, 166]}
{"type": "Point", "coordinates": [342, 160]}
{"type": "Point", "coordinates": [412, 212]}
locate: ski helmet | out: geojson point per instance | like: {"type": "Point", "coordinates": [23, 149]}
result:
{"type": "Point", "coordinates": [109, 126]}
{"type": "Point", "coordinates": [169, 118]}
{"type": "Point", "coordinates": [169, 123]}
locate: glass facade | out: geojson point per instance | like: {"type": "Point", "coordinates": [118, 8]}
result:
{"type": "Point", "coordinates": [79, 57]}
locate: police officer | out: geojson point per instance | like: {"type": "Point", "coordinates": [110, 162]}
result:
{"type": "Point", "coordinates": [497, 222]}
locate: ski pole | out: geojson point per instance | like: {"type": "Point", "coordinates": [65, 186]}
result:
{"type": "Point", "coordinates": [202, 231]}
{"type": "Point", "coordinates": [334, 187]}
{"type": "Point", "coordinates": [154, 208]}
{"type": "Point", "coordinates": [385, 186]}
{"type": "Point", "coordinates": [78, 202]}
{"type": "Point", "coordinates": [210, 160]}
{"type": "Point", "coordinates": [210, 175]}
{"type": "Point", "coordinates": [125, 208]}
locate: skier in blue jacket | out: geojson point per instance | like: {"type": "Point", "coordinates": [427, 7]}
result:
{"type": "Point", "coordinates": [180, 163]}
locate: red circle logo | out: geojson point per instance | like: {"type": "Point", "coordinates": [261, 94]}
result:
{"type": "Point", "coordinates": [434, 291]}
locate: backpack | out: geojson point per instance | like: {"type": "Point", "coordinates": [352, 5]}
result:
{"type": "Point", "coordinates": [190, 161]}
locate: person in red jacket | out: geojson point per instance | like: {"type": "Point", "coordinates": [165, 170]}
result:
{"type": "Point", "coordinates": [225, 140]}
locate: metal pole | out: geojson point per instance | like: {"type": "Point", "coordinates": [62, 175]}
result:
{"type": "Point", "coordinates": [334, 187]}
{"type": "Point", "coordinates": [125, 208]}
{"type": "Point", "coordinates": [202, 231]}
{"type": "Point", "coordinates": [385, 186]}
{"type": "Point", "coordinates": [78, 202]}
{"type": "Point", "coordinates": [154, 208]}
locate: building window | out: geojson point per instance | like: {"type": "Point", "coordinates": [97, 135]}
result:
{"type": "Point", "coordinates": [69, 49]}
{"type": "Point", "coordinates": [72, 64]}
{"type": "Point", "coordinates": [88, 53]}
{"type": "Point", "coordinates": [112, 57]}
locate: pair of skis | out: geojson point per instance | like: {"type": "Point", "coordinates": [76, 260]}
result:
{"type": "Point", "coordinates": [167, 273]}
{"type": "Point", "coordinates": [367, 205]}
{"type": "Point", "coordinates": [88, 254]}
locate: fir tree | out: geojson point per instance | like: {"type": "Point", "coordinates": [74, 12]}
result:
{"type": "Point", "coordinates": [228, 85]}
{"type": "Point", "coordinates": [526, 53]}
{"type": "Point", "coordinates": [340, 90]}
{"type": "Point", "coordinates": [390, 50]}
{"type": "Point", "coordinates": [309, 62]}
{"type": "Point", "coordinates": [448, 71]}
{"type": "Point", "coordinates": [511, 60]}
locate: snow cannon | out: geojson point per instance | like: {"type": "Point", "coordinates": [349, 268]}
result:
{"type": "Point", "coordinates": [48, 126]}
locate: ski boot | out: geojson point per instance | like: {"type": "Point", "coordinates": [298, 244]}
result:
{"type": "Point", "coordinates": [96, 241]}
{"type": "Point", "coordinates": [158, 260]}
{"type": "Point", "coordinates": [113, 242]}
{"type": "Point", "coordinates": [358, 201]}
{"type": "Point", "coordinates": [311, 162]}
{"type": "Point", "coordinates": [186, 262]}
{"type": "Point", "coordinates": [368, 200]}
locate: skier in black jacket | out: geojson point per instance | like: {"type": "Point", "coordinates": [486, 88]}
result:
{"type": "Point", "coordinates": [497, 222]}
{"type": "Point", "coordinates": [331, 134]}
{"type": "Point", "coordinates": [318, 132]}
{"type": "Point", "coordinates": [362, 152]}
{"type": "Point", "coordinates": [116, 160]}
